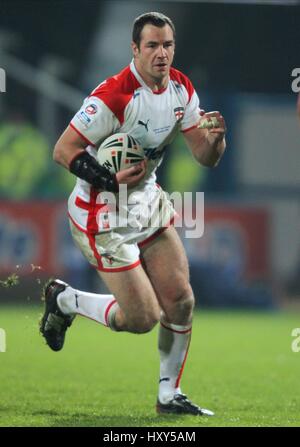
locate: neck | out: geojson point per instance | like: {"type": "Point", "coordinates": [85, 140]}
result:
{"type": "Point", "coordinates": [154, 83]}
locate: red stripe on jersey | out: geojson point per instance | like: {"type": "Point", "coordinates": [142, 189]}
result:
{"type": "Point", "coordinates": [177, 76]}
{"type": "Point", "coordinates": [92, 242]}
{"type": "Point", "coordinates": [82, 136]}
{"type": "Point", "coordinates": [93, 208]}
{"type": "Point", "coordinates": [92, 228]}
{"type": "Point", "coordinates": [92, 225]}
{"type": "Point", "coordinates": [99, 265]}
{"type": "Point", "coordinates": [117, 91]}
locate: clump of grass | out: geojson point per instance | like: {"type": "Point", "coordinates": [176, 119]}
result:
{"type": "Point", "coordinates": [10, 281]}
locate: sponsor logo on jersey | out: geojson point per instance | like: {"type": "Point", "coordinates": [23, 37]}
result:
{"type": "Point", "coordinates": [161, 129]}
{"type": "Point", "coordinates": [144, 124]}
{"type": "Point", "coordinates": [179, 112]}
{"type": "Point", "coordinates": [91, 109]}
{"type": "Point", "coordinates": [82, 116]}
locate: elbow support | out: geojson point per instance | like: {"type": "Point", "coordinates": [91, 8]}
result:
{"type": "Point", "coordinates": [87, 168]}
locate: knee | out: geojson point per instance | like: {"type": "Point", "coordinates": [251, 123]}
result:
{"type": "Point", "coordinates": [183, 303]}
{"type": "Point", "coordinates": [189, 301]}
{"type": "Point", "coordinates": [144, 324]}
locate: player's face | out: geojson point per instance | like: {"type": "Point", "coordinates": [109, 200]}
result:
{"type": "Point", "coordinates": [154, 57]}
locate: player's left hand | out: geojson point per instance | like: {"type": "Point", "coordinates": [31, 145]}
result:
{"type": "Point", "coordinates": [215, 124]}
{"type": "Point", "coordinates": [133, 175]}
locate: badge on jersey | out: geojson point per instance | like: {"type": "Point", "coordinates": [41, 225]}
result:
{"type": "Point", "coordinates": [179, 112]}
{"type": "Point", "coordinates": [82, 116]}
{"type": "Point", "coordinates": [91, 109]}
{"type": "Point", "coordinates": [87, 114]}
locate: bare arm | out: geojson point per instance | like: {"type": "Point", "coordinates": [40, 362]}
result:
{"type": "Point", "coordinates": [69, 147]}
{"type": "Point", "coordinates": [207, 145]}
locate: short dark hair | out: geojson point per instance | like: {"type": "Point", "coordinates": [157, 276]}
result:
{"type": "Point", "coordinates": [153, 18]}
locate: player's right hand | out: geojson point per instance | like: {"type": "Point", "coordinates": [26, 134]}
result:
{"type": "Point", "coordinates": [133, 175]}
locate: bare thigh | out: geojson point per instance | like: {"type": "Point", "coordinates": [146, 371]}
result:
{"type": "Point", "coordinates": [135, 295]}
{"type": "Point", "coordinates": [166, 265]}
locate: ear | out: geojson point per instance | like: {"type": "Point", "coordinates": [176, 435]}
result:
{"type": "Point", "coordinates": [135, 49]}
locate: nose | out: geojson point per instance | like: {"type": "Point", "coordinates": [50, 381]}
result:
{"type": "Point", "coordinates": [162, 52]}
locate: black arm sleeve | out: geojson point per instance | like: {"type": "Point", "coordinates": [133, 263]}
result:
{"type": "Point", "coordinates": [87, 168]}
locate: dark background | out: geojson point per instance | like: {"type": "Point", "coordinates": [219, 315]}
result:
{"type": "Point", "coordinates": [239, 58]}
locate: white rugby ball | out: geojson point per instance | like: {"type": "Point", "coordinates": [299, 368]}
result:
{"type": "Point", "coordinates": [119, 151]}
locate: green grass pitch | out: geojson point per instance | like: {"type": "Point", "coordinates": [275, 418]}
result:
{"type": "Point", "coordinates": [240, 365]}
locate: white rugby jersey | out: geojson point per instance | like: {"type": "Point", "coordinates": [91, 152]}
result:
{"type": "Point", "coordinates": [124, 103]}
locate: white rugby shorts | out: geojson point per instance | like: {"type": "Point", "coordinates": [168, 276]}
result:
{"type": "Point", "coordinates": [118, 249]}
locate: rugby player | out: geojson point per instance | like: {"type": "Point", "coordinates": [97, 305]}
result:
{"type": "Point", "coordinates": [144, 267]}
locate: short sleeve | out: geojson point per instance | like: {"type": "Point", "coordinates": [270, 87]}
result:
{"type": "Point", "coordinates": [94, 121]}
{"type": "Point", "coordinates": [192, 113]}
